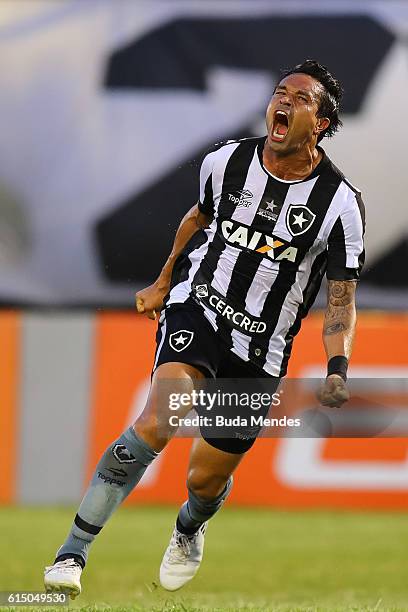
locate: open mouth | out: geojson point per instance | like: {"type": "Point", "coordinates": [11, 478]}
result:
{"type": "Point", "coordinates": [280, 126]}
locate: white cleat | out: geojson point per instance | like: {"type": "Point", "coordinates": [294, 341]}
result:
{"type": "Point", "coordinates": [182, 559]}
{"type": "Point", "coordinates": [63, 577]}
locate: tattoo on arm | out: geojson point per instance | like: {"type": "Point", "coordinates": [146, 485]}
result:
{"type": "Point", "coordinates": [340, 307]}
{"type": "Point", "coordinates": [336, 328]}
{"type": "Point", "coordinates": [341, 293]}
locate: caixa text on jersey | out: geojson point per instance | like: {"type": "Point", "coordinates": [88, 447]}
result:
{"type": "Point", "coordinates": [257, 241]}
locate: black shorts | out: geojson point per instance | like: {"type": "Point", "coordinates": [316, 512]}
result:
{"type": "Point", "coordinates": [185, 335]}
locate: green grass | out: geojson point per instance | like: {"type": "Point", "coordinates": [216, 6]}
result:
{"type": "Point", "coordinates": [254, 560]}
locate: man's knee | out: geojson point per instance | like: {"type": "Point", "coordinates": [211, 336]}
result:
{"type": "Point", "coordinates": [205, 484]}
{"type": "Point", "coordinates": [146, 426]}
{"type": "Point", "coordinates": [153, 424]}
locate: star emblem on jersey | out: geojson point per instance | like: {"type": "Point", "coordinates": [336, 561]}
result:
{"type": "Point", "coordinates": [122, 454]}
{"type": "Point", "coordinates": [266, 210]}
{"type": "Point", "coordinates": [180, 340]}
{"type": "Point", "coordinates": [299, 219]}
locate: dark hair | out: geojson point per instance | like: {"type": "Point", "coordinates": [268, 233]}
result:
{"type": "Point", "coordinates": [330, 98]}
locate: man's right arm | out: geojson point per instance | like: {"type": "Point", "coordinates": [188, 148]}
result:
{"type": "Point", "coordinates": [150, 300]}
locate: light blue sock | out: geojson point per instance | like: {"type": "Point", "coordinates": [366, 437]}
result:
{"type": "Point", "coordinates": [195, 511]}
{"type": "Point", "coordinates": [117, 473]}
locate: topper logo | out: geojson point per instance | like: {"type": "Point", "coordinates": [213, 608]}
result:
{"type": "Point", "coordinates": [242, 198]}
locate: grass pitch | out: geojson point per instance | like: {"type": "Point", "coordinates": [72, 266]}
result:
{"type": "Point", "coordinates": [254, 560]}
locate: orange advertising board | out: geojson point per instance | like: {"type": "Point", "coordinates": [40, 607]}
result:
{"type": "Point", "coordinates": [9, 363]}
{"type": "Point", "coordinates": [283, 472]}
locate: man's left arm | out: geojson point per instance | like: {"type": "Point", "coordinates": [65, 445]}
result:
{"type": "Point", "coordinates": [338, 335]}
{"type": "Point", "coordinates": [345, 259]}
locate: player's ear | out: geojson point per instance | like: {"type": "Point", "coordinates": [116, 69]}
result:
{"type": "Point", "coordinates": [321, 125]}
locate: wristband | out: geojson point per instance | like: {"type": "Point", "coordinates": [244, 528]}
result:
{"type": "Point", "coordinates": [338, 365]}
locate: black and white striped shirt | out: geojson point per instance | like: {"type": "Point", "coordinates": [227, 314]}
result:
{"type": "Point", "coordinates": [257, 269]}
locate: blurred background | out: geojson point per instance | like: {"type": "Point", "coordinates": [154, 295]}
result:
{"type": "Point", "coordinates": [106, 108]}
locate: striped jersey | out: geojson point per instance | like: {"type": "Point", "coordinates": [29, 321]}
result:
{"type": "Point", "coordinates": [258, 267]}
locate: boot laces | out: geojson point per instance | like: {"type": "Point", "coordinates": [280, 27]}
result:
{"type": "Point", "coordinates": [68, 565]}
{"type": "Point", "coordinates": [181, 544]}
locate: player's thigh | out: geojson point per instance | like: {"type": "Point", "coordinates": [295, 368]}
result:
{"type": "Point", "coordinates": [154, 424]}
{"type": "Point", "coordinates": [210, 468]}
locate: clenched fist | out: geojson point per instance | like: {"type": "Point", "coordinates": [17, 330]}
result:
{"type": "Point", "coordinates": [149, 301]}
{"type": "Point", "coordinates": [333, 392]}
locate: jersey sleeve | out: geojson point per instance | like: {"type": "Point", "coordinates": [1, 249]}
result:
{"type": "Point", "coordinates": [345, 256]}
{"type": "Point", "coordinates": [206, 201]}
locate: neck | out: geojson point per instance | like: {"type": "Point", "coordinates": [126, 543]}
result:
{"type": "Point", "coordinates": [293, 166]}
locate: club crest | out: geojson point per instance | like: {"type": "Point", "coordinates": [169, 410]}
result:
{"type": "Point", "coordinates": [122, 454]}
{"type": "Point", "coordinates": [180, 340]}
{"type": "Point", "coordinates": [299, 219]}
